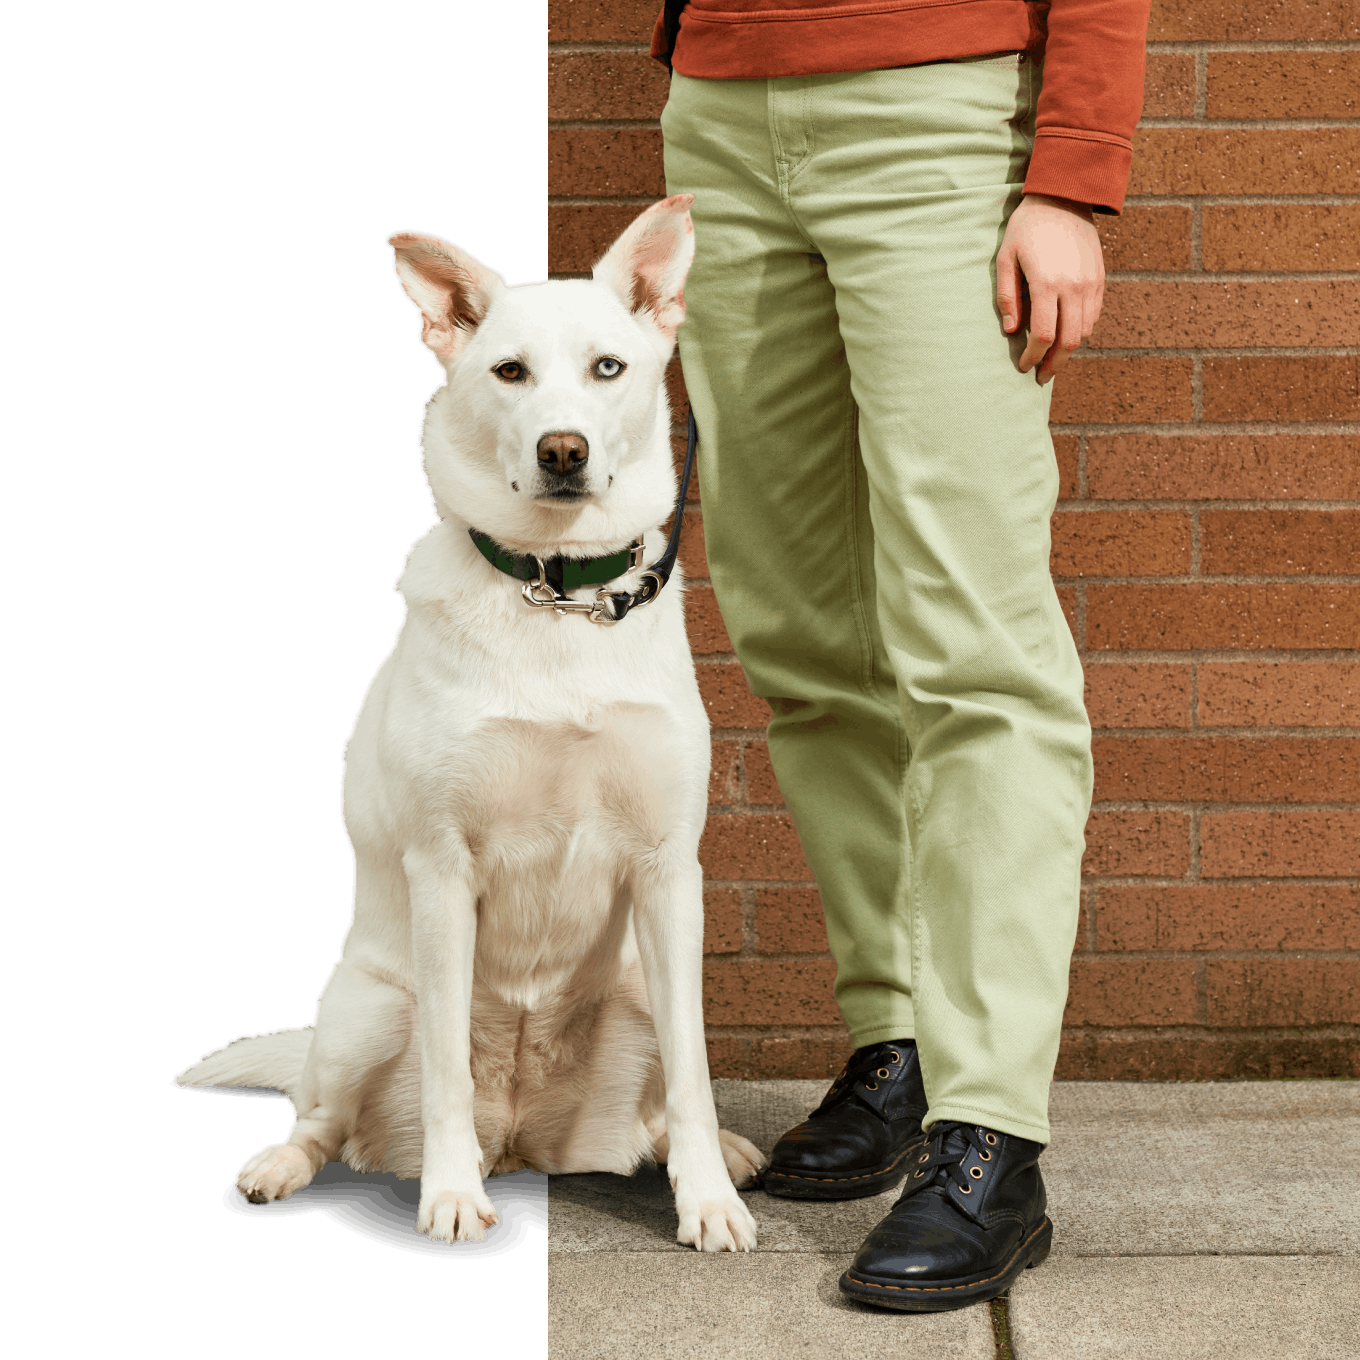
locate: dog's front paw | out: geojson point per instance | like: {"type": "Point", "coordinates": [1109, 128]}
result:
{"type": "Point", "coordinates": [720, 1224]}
{"type": "Point", "coordinates": [456, 1215]}
{"type": "Point", "coordinates": [275, 1173]}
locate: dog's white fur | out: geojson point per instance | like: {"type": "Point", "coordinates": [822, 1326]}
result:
{"type": "Point", "coordinates": [525, 792]}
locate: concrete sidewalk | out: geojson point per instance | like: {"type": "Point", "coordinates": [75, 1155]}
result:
{"type": "Point", "coordinates": [1191, 1222]}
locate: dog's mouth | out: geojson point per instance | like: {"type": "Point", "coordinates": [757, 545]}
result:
{"type": "Point", "coordinates": [563, 496]}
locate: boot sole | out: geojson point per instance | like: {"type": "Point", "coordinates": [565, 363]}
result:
{"type": "Point", "coordinates": [856, 1185]}
{"type": "Point", "coordinates": [939, 1298]}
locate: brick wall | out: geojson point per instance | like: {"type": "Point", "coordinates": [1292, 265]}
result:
{"type": "Point", "coordinates": [1207, 551]}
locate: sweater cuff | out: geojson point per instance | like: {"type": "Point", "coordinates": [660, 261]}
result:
{"type": "Point", "coordinates": [1087, 167]}
{"type": "Point", "coordinates": [659, 38]}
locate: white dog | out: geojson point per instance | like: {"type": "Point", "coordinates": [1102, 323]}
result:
{"type": "Point", "coordinates": [526, 788]}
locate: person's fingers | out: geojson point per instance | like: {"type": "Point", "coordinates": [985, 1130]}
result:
{"type": "Point", "coordinates": [1008, 288]}
{"type": "Point", "coordinates": [1071, 331]}
{"type": "Point", "coordinates": [1043, 326]}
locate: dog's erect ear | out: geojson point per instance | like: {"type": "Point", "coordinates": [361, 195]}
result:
{"type": "Point", "coordinates": [647, 265]}
{"type": "Point", "coordinates": [451, 289]}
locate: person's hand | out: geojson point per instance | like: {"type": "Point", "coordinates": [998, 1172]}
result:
{"type": "Point", "coordinates": [1051, 245]}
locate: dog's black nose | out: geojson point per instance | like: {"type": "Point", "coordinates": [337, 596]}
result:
{"type": "Point", "coordinates": [563, 452]}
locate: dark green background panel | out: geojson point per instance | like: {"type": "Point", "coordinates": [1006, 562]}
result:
{"type": "Point", "coordinates": [212, 388]}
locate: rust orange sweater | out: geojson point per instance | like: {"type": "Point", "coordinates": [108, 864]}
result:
{"type": "Point", "coordinates": [1093, 54]}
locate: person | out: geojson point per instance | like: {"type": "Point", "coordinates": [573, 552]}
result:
{"type": "Point", "coordinates": [895, 254]}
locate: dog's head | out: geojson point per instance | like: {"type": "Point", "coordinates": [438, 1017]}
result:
{"type": "Point", "coordinates": [553, 427]}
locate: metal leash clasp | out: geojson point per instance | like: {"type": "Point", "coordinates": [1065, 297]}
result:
{"type": "Point", "coordinates": [543, 595]}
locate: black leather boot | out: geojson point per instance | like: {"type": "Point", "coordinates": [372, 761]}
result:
{"type": "Point", "coordinates": [970, 1219]}
{"type": "Point", "coordinates": [856, 1141]}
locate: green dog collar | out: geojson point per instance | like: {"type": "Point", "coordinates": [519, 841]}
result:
{"type": "Point", "coordinates": [563, 573]}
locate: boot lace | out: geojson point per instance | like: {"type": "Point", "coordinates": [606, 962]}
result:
{"type": "Point", "coordinates": [947, 1146]}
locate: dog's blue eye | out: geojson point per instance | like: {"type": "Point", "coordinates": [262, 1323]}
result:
{"type": "Point", "coordinates": [608, 368]}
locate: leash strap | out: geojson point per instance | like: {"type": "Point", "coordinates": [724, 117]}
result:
{"type": "Point", "coordinates": [670, 27]}
{"type": "Point", "coordinates": [545, 582]}
{"type": "Point", "coordinates": [655, 577]}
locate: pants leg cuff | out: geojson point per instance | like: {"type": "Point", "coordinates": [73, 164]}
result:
{"type": "Point", "coordinates": [989, 1119]}
{"type": "Point", "coordinates": [877, 1034]}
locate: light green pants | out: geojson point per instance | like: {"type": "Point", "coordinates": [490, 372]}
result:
{"type": "Point", "coordinates": [877, 484]}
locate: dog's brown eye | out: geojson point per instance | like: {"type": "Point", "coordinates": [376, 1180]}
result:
{"type": "Point", "coordinates": [608, 367]}
{"type": "Point", "coordinates": [509, 372]}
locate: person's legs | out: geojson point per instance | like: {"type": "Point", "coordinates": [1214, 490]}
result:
{"type": "Point", "coordinates": [786, 523]}
{"type": "Point", "coordinates": [906, 193]}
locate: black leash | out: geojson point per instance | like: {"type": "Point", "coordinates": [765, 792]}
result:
{"type": "Point", "coordinates": [670, 27]}
{"type": "Point", "coordinates": [544, 580]}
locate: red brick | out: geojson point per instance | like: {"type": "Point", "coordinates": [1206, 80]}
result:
{"type": "Point", "coordinates": [1168, 85]}
{"type": "Point", "coordinates": [693, 557]}
{"type": "Point", "coordinates": [1283, 991]}
{"type": "Point", "coordinates": [722, 921]}
{"type": "Point", "coordinates": [1301, 387]}
{"type": "Point", "coordinates": [790, 921]}
{"type": "Point", "coordinates": [724, 774]}
{"type": "Point", "coordinates": [1146, 238]}
{"type": "Point", "coordinates": [707, 635]}
{"type": "Point", "coordinates": [1245, 161]}
{"type": "Point", "coordinates": [1294, 844]}
{"type": "Point", "coordinates": [1065, 449]}
{"type": "Point", "coordinates": [1123, 844]}
{"type": "Point", "coordinates": [1122, 390]}
{"type": "Point", "coordinates": [1131, 992]}
{"type": "Point", "coordinates": [1143, 315]}
{"type": "Point", "coordinates": [769, 992]}
{"type": "Point", "coordinates": [1258, 1056]}
{"type": "Point", "coordinates": [1147, 695]}
{"type": "Point", "coordinates": [1279, 694]}
{"type": "Point", "coordinates": [605, 163]}
{"type": "Point", "coordinates": [679, 397]}
{"type": "Point", "coordinates": [753, 845]}
{"type": "Point", "coordinates": [1223, 467]}
{"type": "Point", "coordinates": [606, 85]}
{"type": "Point", "coordinates": [578, 236]}
{"type": "Point", "coordinates": [1280, 542]}
{"type": "Point", "coordinates": [793, 1057]}
{"type": "Point", "coordinates": [1120, 543]}
{"type": "Point", "coordinates": [1267, 916]}
{"type": "Point", "coordinates": [727, 697]}
{"type": "Point", "coordinates": [1283, 84]}
{"type": "Point", "coordinates": [601, 20]}
{"type": "Point", "coordinates": [1189, 617]}
{"type": "Point", "coordinates": [1283, 236]}
{"type": "Point", "coordinates": [762, 788]}
{"type": "Point", "coordinates": [1253, 20]}
{"type": "Point", "coordinates": [1067, 598]}
{"type": "Point", "coordinates": [1227, 769]}
{"type": "Point", "coordinates": [728, 1056]}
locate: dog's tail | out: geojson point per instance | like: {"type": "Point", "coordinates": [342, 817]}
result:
{"type": "Point", "coordinates": [273, 1060]}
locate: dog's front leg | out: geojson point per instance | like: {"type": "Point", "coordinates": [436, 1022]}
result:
{"type": "Point", "coordinates": [453, 1205]}
{"type": "Point", "coordinates": [668, 914]}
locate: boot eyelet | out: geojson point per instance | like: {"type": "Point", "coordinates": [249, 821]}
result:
{"type": "Point", "coordinates": [918, 1175]}
{"type": "Point", "coordinates": [986, 1156]}
{"type": "Point", "coordinates": [965, 1189]}
{"type": "Point", "coordinates": [882, 1072]}
{"type": "Point", "coordinates": [871, 1086]}
{"type": "Point", "coordinates": [924, 1157]}
{"type": "Point", "coordinates": [975, 1172]}
{"type": "Point", "coordinates": [897, 1057]}
{"type": "Point", "coordinates": [991, 1138]}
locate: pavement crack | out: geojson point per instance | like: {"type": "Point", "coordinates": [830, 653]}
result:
{"type": "Point", "coordinates": [1001, 1327]}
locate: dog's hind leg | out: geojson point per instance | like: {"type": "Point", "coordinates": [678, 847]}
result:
{"type": "Point", "coordinates": [362, 1022]}
{"type": "Point", "coordinates": [743, 1158]}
